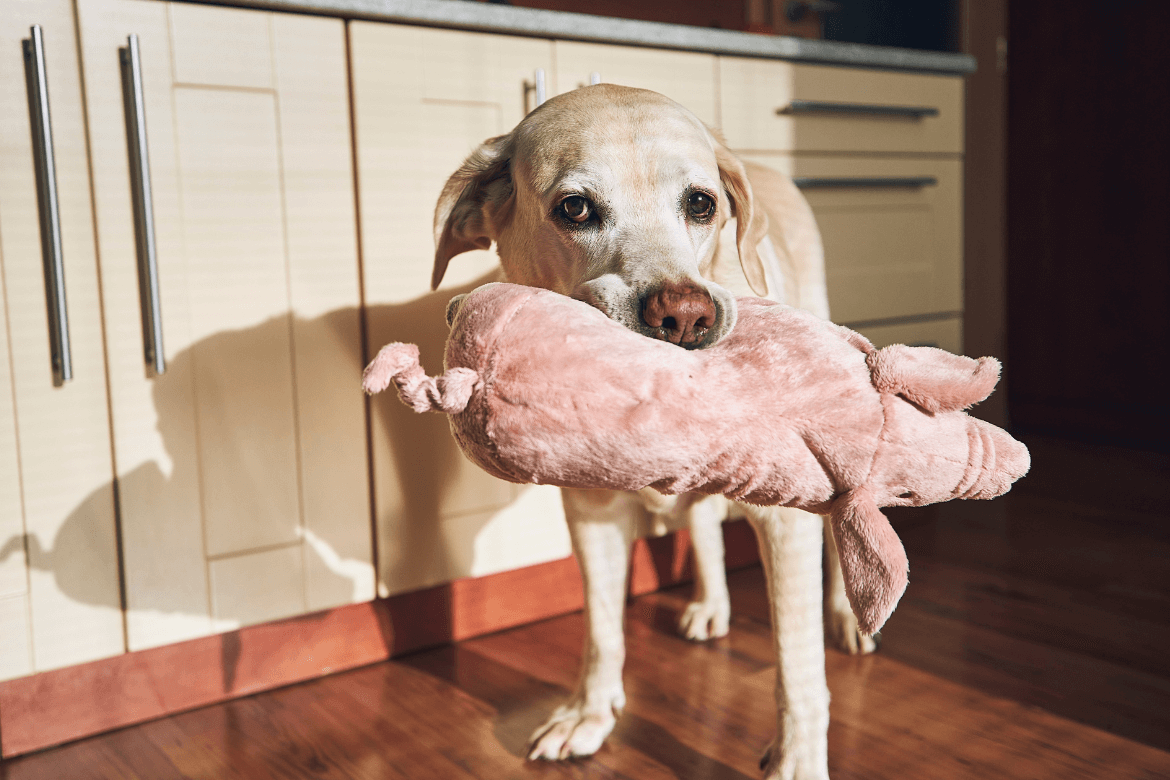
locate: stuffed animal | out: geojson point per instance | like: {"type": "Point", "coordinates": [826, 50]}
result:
{"type": "Point", "coordinates": [787, 409]}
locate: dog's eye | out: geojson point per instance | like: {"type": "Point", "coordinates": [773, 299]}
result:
{"type": "Point", "coordinates": [700, 206]}
{"type": "Point", "coordinates": [576, 209]}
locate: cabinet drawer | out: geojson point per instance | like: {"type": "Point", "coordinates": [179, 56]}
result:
{"type": "Point", "coordinates": [890, 250]}
{"type": "Point", "coordinates": [780, 106]}
{"type": "Point", "coordinates": [943, 333]}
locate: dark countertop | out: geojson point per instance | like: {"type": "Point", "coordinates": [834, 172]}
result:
{"type": "Point", "coordinates": [485, 17]}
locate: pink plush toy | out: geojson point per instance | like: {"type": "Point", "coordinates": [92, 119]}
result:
{"type": "Point", "coordinates": [787, 409]}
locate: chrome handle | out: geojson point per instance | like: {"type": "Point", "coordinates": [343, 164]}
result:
{"type": "Point", "coordinates": [594, 78]}
{"type": "Point", "coordinates": [536, 86]}
{"type": "Point", "coordinates": [50, 217]}
{"type": "Point", "coordinates": [863, 182]}
{"type": "Point", "coordinates": [143, 206]}
{"type": "Point", "coordinates": [825, 107]}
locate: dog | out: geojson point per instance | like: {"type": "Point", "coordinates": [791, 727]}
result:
{"type": "Point", "coordinates": [622, 198]}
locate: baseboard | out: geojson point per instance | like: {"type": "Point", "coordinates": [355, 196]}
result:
{"type": "Point", "coordinates": [50, 708]}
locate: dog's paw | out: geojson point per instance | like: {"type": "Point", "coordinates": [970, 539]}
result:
{"type": "Point", "coordinates": [575, 729]}
{"type": "Point", "coordinates": [703, 620]}
{"type": "Point", "coordinates": [842, 633]}
{"type": "Point", "coordinates": [780, 765]}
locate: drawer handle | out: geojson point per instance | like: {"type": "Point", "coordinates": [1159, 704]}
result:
{"type": "Point", "coordinates": [825, 107]}
{"type": "Point", "coordinates": [148, 294]}
{"type": "Point", "coordinates": [50, 216]}
{"type": "Point", "coordinates": [863, 182]}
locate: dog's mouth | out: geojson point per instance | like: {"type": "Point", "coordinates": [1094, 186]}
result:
{"type": "Point", "coordinates": [688, 316]}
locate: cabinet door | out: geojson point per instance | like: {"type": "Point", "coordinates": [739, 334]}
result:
{"type": "Point", "coordinates": [59, 588]}
{"type": "Point", "coordinates": [686, 77]}
{"type": "Point", "coordinates": [892, 249]}
{"type": "Point", "coordinates": [423, 100]}
{"type": "Point", "coordinates": [242, 469]}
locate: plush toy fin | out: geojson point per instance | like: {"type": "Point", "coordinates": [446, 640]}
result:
{"type": "Point", "coordinates": [933, 379]}
{"type": "Point", "coordinates": [398, 363]}
{"type": "Point", "coordinates": [872, 558]}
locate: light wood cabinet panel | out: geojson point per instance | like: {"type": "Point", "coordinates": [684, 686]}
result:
{"type": "Point", "coordinates": [15, 637]}
{"type": "Point", "coordinates": [57, 438]}
{"type": "Point", "coordinates": [324, 291]}
{"type": "Point", "coordinates": [220, 47]}
{"type": "Point", "coordinates": [258, 586]}
{"type": "Point", "coordinates": [13, 569]}
{"type": "Point", "coordinates": [229, 163]}
{"type": "Point", "coordinates": [423, 100]}
{"type": "Point", "coordinates": [889, 251]}
{"type": "Point", "coordinates": [15, 641]}
{"type": "Point", "coordinates": [686, 77]}
{"type": "Point", "coordinates": [943, 333]}
{"type": "Point", "coordinates": [753, 90]}
{"type": "Point", "coordinates": [253, 441]}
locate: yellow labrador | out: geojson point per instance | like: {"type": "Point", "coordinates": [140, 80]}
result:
{"type": "Point", "coordinates": [622, 198]}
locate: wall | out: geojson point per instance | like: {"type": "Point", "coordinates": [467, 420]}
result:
{"type": "Point", "coordinates": [1088, 225]}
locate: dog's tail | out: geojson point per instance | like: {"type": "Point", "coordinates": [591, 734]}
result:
{"type": "Point", "coordinates": [399, 363]}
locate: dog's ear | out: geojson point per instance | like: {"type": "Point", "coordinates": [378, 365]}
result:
{"type": "Point", "coordinates": [474, 203]}
{"type": "Point", "coordinates": [751, 221]}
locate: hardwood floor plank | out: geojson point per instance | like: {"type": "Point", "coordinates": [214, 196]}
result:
{"type": "Point", "coordinates": [898, 721]}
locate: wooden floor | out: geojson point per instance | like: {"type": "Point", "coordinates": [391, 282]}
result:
{"type": "Point", "coordinates": [1032, 643]}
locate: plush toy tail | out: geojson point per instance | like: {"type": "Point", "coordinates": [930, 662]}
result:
{"type": "Point", "coordinates": [398, 363]}
{"type": "Point", "coordinates": [872, 558]}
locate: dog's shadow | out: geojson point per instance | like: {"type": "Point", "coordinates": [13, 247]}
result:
{"type": "Point", "coordinates": [164, 499]}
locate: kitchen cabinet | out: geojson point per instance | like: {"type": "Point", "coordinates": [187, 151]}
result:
{"type": "Point", "coordinates": [59, 584]}
{"type": "Point", "coordinates": [879, 158]}
{"type": "Point", "coordinates": [222, 476]}
{"type": "Point", "coordinates": [242, 465]}
{"type": "Point", "coordinates": [424, 99]}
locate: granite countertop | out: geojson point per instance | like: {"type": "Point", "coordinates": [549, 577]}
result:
{"type": "Point", "coordinates": [485, 17]}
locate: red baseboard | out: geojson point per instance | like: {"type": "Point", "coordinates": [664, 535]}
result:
{"type": "Point", "coordinates": [58, 706]}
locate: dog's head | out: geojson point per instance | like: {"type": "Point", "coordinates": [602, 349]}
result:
{"type": "Point", "coordinates": [615, 196]}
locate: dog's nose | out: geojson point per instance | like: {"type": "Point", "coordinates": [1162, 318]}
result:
{"type": "Point", "coordinates": [679, 313]}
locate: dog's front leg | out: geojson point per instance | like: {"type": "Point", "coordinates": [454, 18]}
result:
{"type": "Point", "coordinates": [790, 548]}
{"type": "Point", "coordinates": [601, 524]}
{"type": "Point", "coordinates": [709, 615]}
